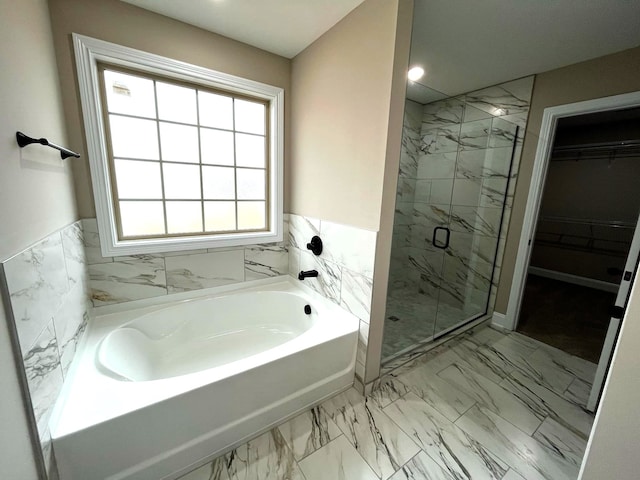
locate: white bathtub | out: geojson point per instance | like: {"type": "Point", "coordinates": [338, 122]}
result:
{"type": "Point", "coordinates": [159, 390]}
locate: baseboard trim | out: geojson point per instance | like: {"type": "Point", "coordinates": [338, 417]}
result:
{"type": "Point", "coordinates": [499, 322]}
{"type": "Point", "coordinates": [575, 279]}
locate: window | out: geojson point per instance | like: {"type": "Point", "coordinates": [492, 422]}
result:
{"type": "Point", "coordinates": [181, 157]}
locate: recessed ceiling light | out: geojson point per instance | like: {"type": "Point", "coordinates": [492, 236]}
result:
{"type": "Point", "coordinates": [415, 73]}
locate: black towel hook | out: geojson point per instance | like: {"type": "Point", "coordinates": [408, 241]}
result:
{"type": "Point", "coordinates": [24, 140]}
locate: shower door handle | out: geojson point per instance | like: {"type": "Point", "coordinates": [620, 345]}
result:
{"type": "Point", "coordinates": [446, 239]}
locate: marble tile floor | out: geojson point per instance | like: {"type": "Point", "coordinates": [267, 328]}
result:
{"type": "Point", "coordinates": [486, 405]}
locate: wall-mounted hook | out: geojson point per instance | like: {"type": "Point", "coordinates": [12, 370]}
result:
{"type": "Point", "coordinates": [315, 245]}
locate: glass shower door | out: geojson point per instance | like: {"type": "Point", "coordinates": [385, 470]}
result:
{"type": "Point", "coordinates": [478, 198]}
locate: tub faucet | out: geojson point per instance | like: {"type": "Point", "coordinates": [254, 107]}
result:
{"type": "Point", "coordinates": [309, 273]}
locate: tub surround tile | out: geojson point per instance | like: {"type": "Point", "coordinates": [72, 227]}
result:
{"type": "Point", "coordinates": [37, 282]}
{"type": "Point", "coordinates": [74, 255]}
{"type": "Point", "coordinates": [338, 460]}
{"type": "Point", "coordinates": [126, 280]}
{"type": "Point", "coordinates": [266, 457]}
{"type": "Point", "coordinates": [265, 261]}
{"type": "Point", "coordinates": [301, 229]}
{"type": "Point", "coordinates": [456, 452]}
{"type": "Point", "coordinates": [91, 240]}
{"type": "Point", "coordinates": [356, 294]}
{"type": "Point", "coordinates": [378, 440]}
{"type": "Point", "coordinates": [309, 432]}
{"type": "Point", "coordinates": [328, 281]}
{"type": "Point", "coordinates": [44, 375]}
{"type": "Point", "coordinates": [195, 272]}
{"type": "Point", "coordinates": [350, 247]}
{"type": "Point", "coordinates": [363, 340]}
{"type": "Point", "coordinates": [70, 323]}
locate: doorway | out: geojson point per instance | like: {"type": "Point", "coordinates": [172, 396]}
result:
{"type": "Point", "coordinates": [574, 265]}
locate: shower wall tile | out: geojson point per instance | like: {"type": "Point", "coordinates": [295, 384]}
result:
{"type": "Point", "coordinates": [481, 220]}
{"type": "Point", "coordinates": [505, 99]}
{"type": "Point", "coordinates": [441, 191]}
{"type": "Point", "coordinates": [484, 163]}
{"type": "Point", "coordinates": [503, 133]}
{"type": "Point", "coordinates": [440, 140]}
{"type": "Point", "coordinates": [437, 165]}
{"type": "Point", "coordinates": [423, 192]}
{"type": "Point", "coordinates": [449, 111]}
{"type": "Point", "coordinates": [474, 135]}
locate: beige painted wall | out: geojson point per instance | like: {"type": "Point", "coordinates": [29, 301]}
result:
{"type": "Point", "coordinates": [387, 210]}
{"type": "Point", "coordinates": [124, 24]}
{"type": "Point", "coordinates": [605, 76]}
{"type": "Point", "coordinates": [340, 106]}
{"type": "Point", "coordinates": [36, 187]}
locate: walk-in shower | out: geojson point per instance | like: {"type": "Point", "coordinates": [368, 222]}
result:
{"type": "Point", "coordinates": [455, 167]}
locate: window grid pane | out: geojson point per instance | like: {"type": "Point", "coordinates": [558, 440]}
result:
{"type": "Point", "coordinates": [239, 206]}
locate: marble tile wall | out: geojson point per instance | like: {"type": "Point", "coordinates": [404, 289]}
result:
{"type": "Point", "coordinates": [345, 268]}
{"type": "Point", "coordinates": [455, 175]}
{"type": "Point", "coordinates": [124, 279]}
{"type": "Point", "coordinates": [48, 295]}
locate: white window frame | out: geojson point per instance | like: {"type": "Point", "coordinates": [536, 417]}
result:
{"type": "Point", "coordinates": [89, 52]}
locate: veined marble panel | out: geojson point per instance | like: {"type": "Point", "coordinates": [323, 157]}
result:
{"type": "Point", "coordinates": [336, 460]}
{"type": "Point", "coordinates": [70, 323]}
{"type": "Point", "coordinates": [422, 467]}
{"type": "Point", "coordinates": [440, 140]}
{"type": "Point", "coordinates": [513, 475]}
{"type": "Point", "coordinates": [572, 416]}
{"type": "Point", "coordinates": [493, 192]}
{"type": "Point", "coordinates": [580, 368]}
{"type": "Point", "coordinates": [37, 282]}
{"type": "Point", "coordinates": [350, 247]}
{"type": "Point", "coordinates": [44, 375]}
{"type": "Point", "coordinates": [431, 214]}
{"type": "Point", "coordinates": [403, 214]}
{"type": "Point", "coordinates": [437, 165]}
{"type": "Point", "coordinates": [482, 220]}
{"type": "Point", "coordinates": [503, 133]}
{"type": "Point", "coordinates": [558, 438]}
{"type": "Point", "coordinates": [578, 392]}
{"type": "Point", "coordinates": [91, 240]}
{"type": "Point", "coordinates": [484, 163]}
{"type": "Point", "coordinates": [356, 294]}
{"type": "Point", "coordinates": [466, 192]}
{"type": "Point", "coordinates": [264, 458]}
{"type": "Point", "coordinates": [474, 135]}
{"type": "Point", "coordinates": [363, 340]}
{"type": "Point", "coordinates": [406, 189]}
{"type": "Point", "coordinates": [294, 261]}
{"type": "Point", "coordinates": [471, 114]}
{"type": "Point", "coordinates": [308, 432]}
{"type": "Point", "coordinates": [408, 161]}
{"type": "Point", "coordinates": [263, 261]}
{"type": "Point", "coordinates": [444, 112]}
{"type": "Point", "coordinates": [493, 397]}
{"type": "Point", "coordinates": [125, 280]}
{"type": "Point", "coordinates": [454, 450]}
{"type": "Point", "coordinates": [504, 99]}
{"type": "Point", "coordinates": [74, 255]}
{"type": "Point", "coordinates": [194, 272]}
{"type": "Point", "coordinates": [386, 390]}
{"type": "Point", "coordinates": [524, 454]}
{"type": "Point", "coordinates": [422, 192]}
{"type": "Point", "coordinates": [379, 440]}
{"type": "Point", "coordinates": [329, 279]}
{"type": "Point", "coordinates": [441, 191]}
{"type": "Point", "coordinates": [301, 229]}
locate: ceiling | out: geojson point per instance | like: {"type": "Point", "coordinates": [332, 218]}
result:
{"type": "Point", "coordinates": [284, 27]}
{"type": "Point", "coordinates": [463, 45]}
